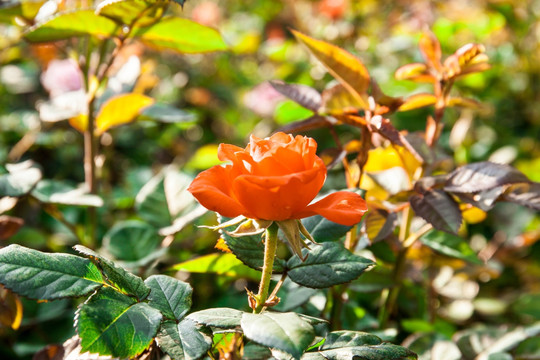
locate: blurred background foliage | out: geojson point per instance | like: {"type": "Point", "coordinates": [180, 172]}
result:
{"type": "Point", "coordinates": [229, 94]}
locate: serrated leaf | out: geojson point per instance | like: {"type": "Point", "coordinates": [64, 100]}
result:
{"type": "Point", "coordinates": [169, 295]}
{"type": "Point", "coordinates": [131, 240]}
{"type": "Point", "coordinates": [326, 265]}
{"type": "Point", "coordinates": [323, 230]}
{"type": "Point", "coordinates": [181, 35]}
{"type": "Point", "coordinates": [62, 193]}
{"type": "Point", "coordinates": [151, 202]}
{"type": "Point", "coordinates": [249, 249]}
{"type": "Point", "coordinates": [439, 209]}
{"type": "Point", "coordinates": [224, 318]}
{"type": "Point", "coordinates": [111, 323]}
{"type": "Point", "coordinates": [221, 264]}
{"type": "Point", "coordinates": [380, 224]}
{"type": "Point", "coordinates": [450, 245]}
{"type": "Point", "coordinates": [482, 176]}
{"type": "Point", "coordinates": [184, 340]}
{"type": "Point", "coordinates": [143, 12]}
{"type": "Point", "coordinates": [344, 66]}
{"type": "Point", "coordinates": [19, 182]}
{"type": "Point", "coordinates": [118, 277]}
{"type": "Point", "coordinates": [283, 331]}
{"type": "Point", "coordinates": [302, 94]}
{"type": "Point", "coordinates": [527, 194]}
{"type": "Point", "coordinates": [345, 338]}
{"type": "Point", "coordinates": [417, 101]}
{"type": "Point", "coordinates": [72, 24]}
{"type": "Point", "coordinates": [166, 114]}
{"type": "Point", "coordinates": [120, 110]}
{"type": "Point", "coordinates": [44, 276]}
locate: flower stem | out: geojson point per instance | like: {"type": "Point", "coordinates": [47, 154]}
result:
{"type": "Point", "coordinates": [270, 245]}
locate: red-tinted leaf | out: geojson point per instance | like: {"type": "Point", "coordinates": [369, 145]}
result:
{"type": "Point", "coordinates": [439, 209]}
{"type": "Point", "coordinates": [526, 194]}
{"type": "Point", "coordinates": [468, 58]}
{"type": "Point", "coordinates": [313, 122]}
{"type": "Point", "coordinates": [302, 94]}
{"type": "Point", "coordinates": [384, 127]}
{"type": "Point", "coordinates": [431, 50]}
{"type": "Point", "coordinates": [9, 225]}
{"type": "Point", "coordinates": [482, 176]}
{"type": "Point", "coordinates": [484, 200]}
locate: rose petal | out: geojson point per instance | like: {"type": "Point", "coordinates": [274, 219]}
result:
{"type": "Point", "coordinates": [342, 207]}
{"type": "Point", "coordinates": [212, 188]}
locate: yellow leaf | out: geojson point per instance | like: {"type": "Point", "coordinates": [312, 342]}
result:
{"type": "Point", "coordinates": [12, 309]}
{"type": "Point", "coordinates": [418, 101]}
{"type": "Point", "coordinates": [431, 50]}
{"type": "Point", "coordinates": [417, 72]}
{"type": "Point", "coordinates": [338, 101]}
{"type": "Point", "coordinates": [120, 110]}
{"type": "Point", "coordinates": [79, 122]}
{"type": "Point", "coordinates": [344, 66]}
{"type": "Point", "coordinates": [474, 215]}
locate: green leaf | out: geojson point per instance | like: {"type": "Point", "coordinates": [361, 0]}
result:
{"type": "Point", "coordinates": [128, 12]}
{"type": "Point", "coordinates": [282, 331]}
{"type": "Point", "coordinates": [115, 275]}
{"type": "Point", "coordinates": [111, 323]}
{"type": "Point", "coordinates": [166, 114]}
{"type": "Point", "coordinates": [26, 9]}
{"type": "Point", "coordinates": [181, 35]}
{"type": "Point", "coordinates": [326, 265]}
{"type": "Point", "coordinates": [341, 339]}
{"type": "Point", "coordinates": [169, 295]}
{"type": "Point", "coordinates": [43, 276]}
{"type": "Point", "coordinates": [450, 245]}
{"type": "Point", "coordinates": [221, 264]}
{"type": "Point", "coordinates": [292, 295]}
{"type": "Point", "coordinates": [324, 230]}
{"type": "Point", "coordinates": [151, 202]}
{"type": "Point", "coordinates": [224, 318]}
{"type": "Point", "coordinates": [439, 209]}
{"type": "Point", "coordinates": [20, 180]}
{"type": "Point", "coordinates": [72, 24]}
{"type": "Point", "coordinates": [62, 193]}
{"type": "Point", "coordinates": [131, 240]}
{"type": "Point", "coordinates": [248, 249]}
{"type": "Point", "coordinates": [184, 340]}
{"type": "Point", "coordinates": [383, 351]}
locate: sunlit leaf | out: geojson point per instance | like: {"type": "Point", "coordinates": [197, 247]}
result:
{"type": "Point", "coordinates": [418, 101]}
{"type": "Point", "coordinates": [431, 50]}
{"type": "Point", "coordinates": [302, 94]}
{"type": "Point", "coordinates": [439, 209]}
{"type": "Point", "coordinates": [72, 24]}
{"type": "Point", "coordinates": [344, 338]}
{"type": "Point", "coordinates": [128, 12]}
{"type": "Point", "coordinates": [44, 276]}
{"type": "Point", "coordinates": [60, 192]}
{"type": "Point", "coordinates": [172, 297]}
{"type": "Point", "coordinates": [181, 35]}
{"type": "Point", "coordinates": [379, 224]}
{"type": "Point", "coordinates": [526, 194]}
{"type": "Point", "coordinates": [482, 176]}
{"type": "Point", "coordinates": [416, 72]}
{"type": "Point", "coordinates": [220, 264]}
{"type": "Point", "coordinates": [224, 318]}
{"type": "Point", "coordinates": [344, 66]}
{"type": "Point", "coordinates": [111, 323]}
{"type": "Point", "coordinates": [20, 180]}
{"type": "Point", "coordinates": [393, 180]}
{"type": "Point", "coordinates": [283, 331]}
{"type": "Point", "coordinates": [120, 110]}
{"type": "Point", "coordinates": [338, 100]}
{"type": "Point", "coordinates": [166, 114]}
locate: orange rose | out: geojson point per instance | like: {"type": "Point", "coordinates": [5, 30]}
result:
{"type": "Point", "coordinates": [273, 179]}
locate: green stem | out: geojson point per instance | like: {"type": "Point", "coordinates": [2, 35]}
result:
{"type": "Point", "coordinates": [270, 246]}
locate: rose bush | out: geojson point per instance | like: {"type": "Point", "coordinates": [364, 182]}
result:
{"type": "Point", "coordinates": [274, 179]}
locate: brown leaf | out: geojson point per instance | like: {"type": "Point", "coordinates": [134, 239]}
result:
{"type": "Point", "coordinates": [384, 127]}
{"type": "Point", "coordinates": [302, 94]}
{"type": "Point", "coordinates": [313, 122]}
{"type": "Point", "coordinates": [439, 209]}
{"type": "Point", "coordinates": [344, 66]}
{"type": "Point", "coordinates": [70, 349]}
{"type": "Point", "coordinates": [431, 50]}
{"type": "Point", "coordinates": [11, 309]}
{"type": "Point", "coordinates": [526, 194]}
{"type": "Point", "coordinates": [9, 225]}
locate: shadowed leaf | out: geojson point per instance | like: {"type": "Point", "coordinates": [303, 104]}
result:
{"type": "Point", "coordinates": [526, 194]}
{"type": "Point", "coordinates": [9, 225]}
{"type": "Point", "coordinates": [313, 122]}
{"type": "Point", "coordinates": [184, 340]}
{"type": "Point", "coordinates": [439, 209]}
{"type": "Point", "coordinates": [302, 94]}
{"type": "Point", "coordinates": [450, 245]}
